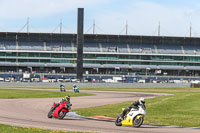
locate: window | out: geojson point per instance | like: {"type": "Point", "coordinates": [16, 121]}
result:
{"type": "Point", "coordinates": [23, 54]}
{"type": "Point", "coordinates": [44, 54]}
{"type": "Point", "coordinates": [34, 55]}
{"type": "Point", "coordinates": [2, 53]}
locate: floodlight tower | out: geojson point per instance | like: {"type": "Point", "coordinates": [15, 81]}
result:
{"type": "Point", "coordinates": [159, 28]}
{"type": "Point", "coordinates": [27, 25]}
{"type": "Point", "coordinates": [80, 42]}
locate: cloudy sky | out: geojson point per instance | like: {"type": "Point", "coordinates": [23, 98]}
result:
{"type": "Point", "coordinates": [110, 16]}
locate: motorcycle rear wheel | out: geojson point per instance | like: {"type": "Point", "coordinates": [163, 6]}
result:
{"type": "Point", "coordinates": [137, 122]}
{"type": "Point", "coordinates": [61, 114]}
{"type": "Point", "coordinates": [118, 122]}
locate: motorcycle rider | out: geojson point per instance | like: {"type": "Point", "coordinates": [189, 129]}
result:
{"type": "Point", "coordinates": [75, 87]}
{"type": "Point", "coordinates": [135, 105]}
{"type": "Point", "coordinates": [63, 100]}
{"type": "Point", "coordinates": [62, 87]}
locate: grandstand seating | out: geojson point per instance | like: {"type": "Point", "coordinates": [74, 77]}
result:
{"type": "Point", "coordinates": [169, 49]}
{"type": "Point", "coordinates": [91, 47]}
{"type": "Point", "coordinates": [9, 45]}
{"type": "Point", "coordinates": [111, 54]}
{"type": "Point", "coordinates": [191, 49]}
{"type": "Point", "coordinates": [142, 48]}
{"type": "Point", "coordinates": [103, 47]}
{"type": "Point", "coordinates": [58, 46]}
{"type": "Point", "coordinates": [114, 47]}
{"type": "Point", "coordinates": [30, 46]}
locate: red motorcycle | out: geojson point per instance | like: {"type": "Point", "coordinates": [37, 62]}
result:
{"type": "Point", "coordinates": [60, 111]}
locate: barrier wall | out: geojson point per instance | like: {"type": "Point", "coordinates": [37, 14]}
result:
{"type": "Point", "coordinates": [100, 85]}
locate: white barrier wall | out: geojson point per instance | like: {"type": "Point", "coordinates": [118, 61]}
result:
{"type": "Point", "coordinates": [100, 85]}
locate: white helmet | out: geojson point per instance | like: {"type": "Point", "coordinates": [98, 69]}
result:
{"type": "Point", "coordinates": [142, 100]}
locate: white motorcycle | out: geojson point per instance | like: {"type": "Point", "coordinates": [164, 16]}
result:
{"type": "Point", "coordinates": [134, 118]}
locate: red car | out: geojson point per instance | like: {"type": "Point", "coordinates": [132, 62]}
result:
{"type": "Point", "coordinates": [60, 111]}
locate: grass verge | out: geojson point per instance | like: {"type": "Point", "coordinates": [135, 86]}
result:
{"type": "Point", "coordinates": [32, 87]}
{"type": "Point", "coordinates": [12, 93]}
{"type": "Point", "coordinates": [15, 129]}
{"type": "Point", "coordinates": [180, 109]}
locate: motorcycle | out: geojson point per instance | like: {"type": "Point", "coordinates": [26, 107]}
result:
{"type": "Point", "coordinates": [76, 89]}
{"type": "Point", "coordinates": [62, 88]}
{"type": "Point", "coordinates": [134, 118]}
{"type": "Point", "coordinates": [60, 111]}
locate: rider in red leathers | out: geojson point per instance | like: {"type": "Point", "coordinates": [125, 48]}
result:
{"type": "Point", "coordinates": [66, 100]}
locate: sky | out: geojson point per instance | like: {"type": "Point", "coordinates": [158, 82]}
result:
{"type": "Point", "coordinates": [142, 17]}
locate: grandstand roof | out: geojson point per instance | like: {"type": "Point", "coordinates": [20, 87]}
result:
{"type": "Point", "coordinates": [103, 38]}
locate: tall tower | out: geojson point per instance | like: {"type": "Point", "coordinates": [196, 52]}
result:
{"type": "Point", "coordinates": [80, 42]}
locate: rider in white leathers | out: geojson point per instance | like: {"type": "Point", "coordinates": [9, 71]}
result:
{"type": "Point", "coordinates": [135, 105]}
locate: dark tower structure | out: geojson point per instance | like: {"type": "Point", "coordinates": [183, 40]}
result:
{"type": "Point", "coordinates": [80, 42]}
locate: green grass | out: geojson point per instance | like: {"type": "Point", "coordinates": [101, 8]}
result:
{"type": "Point", "coordinates": [14, 129]}
{"type": "Point", "coordinates": [12, 93]}
{"type": "Point", "coordinates": [34, 87]}
{"type": "Point", "coordinates": [180, 109]}
{"type": "Point", "coordinates": [151, 90]}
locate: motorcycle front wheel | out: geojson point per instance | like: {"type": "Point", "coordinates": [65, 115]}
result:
{"type": "Point", "coordinates": [50, 114]}
{"type": "Point", "coordinates": [61, 114]}
{"type": "Point", "coordinates": [118, 122]}
{"type": "Point", "coordinates": [137, 122]}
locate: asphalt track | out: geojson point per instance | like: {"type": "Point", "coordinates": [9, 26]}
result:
{"type": "Point", "coordinates": [32, 112]}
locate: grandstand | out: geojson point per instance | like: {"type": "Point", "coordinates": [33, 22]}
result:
{"type": "Point", "coordinates": [103, 54]}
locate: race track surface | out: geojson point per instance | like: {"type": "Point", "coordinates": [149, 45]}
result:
{"type": "Point", "coordinates": [32, 112]}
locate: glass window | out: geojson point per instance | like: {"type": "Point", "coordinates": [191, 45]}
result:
{"type": "Point", "coordinates": [44, 54]}
{"type": "Point", "coordinates": [90, 56]}
{"type": "Point", "coordinates": [11, 54]}
{"type": "Point", "coordinates": [23, 54]}
{"type": "Point", "coordinates": [34, 55]}
{"type": "Point", "coordinates": [144, 57]}
{"type": "Point", "coordinates": [68, 55]}
{"type": "Point", "coordinates": [112, 56]}
{"type": "Point", "coordinates": [11, 60]}
{"type": "Point", "coordinates": [59, 61]}
{"type": "Point", "coordinates": [23, 60]}
{"type": "Point", "coordinates": [45, 61]}
{"type": "Point", "coordinates": [2, 60]}
{"type": "Point", "coordinates": [34, 60]}
{"type": "Point", "coordinates": [2, 53]}
{"type": "Point", "coordinates": [56, 55]}
{"type": "Point", "coordinates": [123, 57]}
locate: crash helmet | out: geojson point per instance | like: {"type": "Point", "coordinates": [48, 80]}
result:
{"type": "Point", "coordinates": [67, 98]}
{"type": "Point", "coordinates": [74, 85]}
{"type": "Point", "coordinates": [142, 100]}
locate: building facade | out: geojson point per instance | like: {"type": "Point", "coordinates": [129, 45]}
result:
{"type": "Point", "coordinates": [103, 54]}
